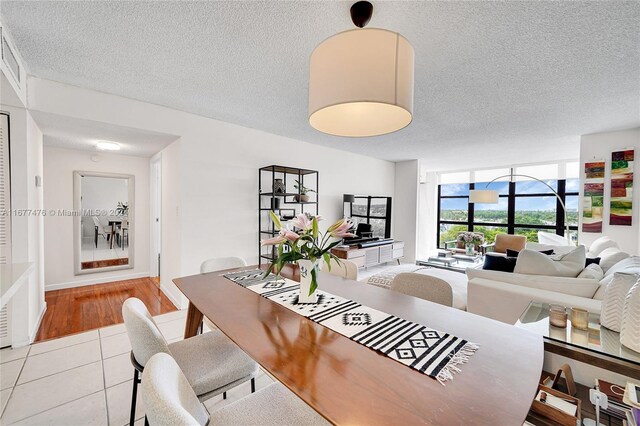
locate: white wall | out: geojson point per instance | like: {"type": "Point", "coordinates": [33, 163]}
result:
{"type": "Point", "coordinates": [59, 165]}
{"type": "Point", "coordinates": [405, 204]}
{"type": "Point", "coordinates": [427, 215]}
{"type": "Point", "coordinates": [216, 173]}
{"type": "Point", "coordinates": [599, 146]}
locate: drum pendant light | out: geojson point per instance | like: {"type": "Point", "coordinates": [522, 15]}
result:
{"type": "Point", "coordinates": [361, 80]}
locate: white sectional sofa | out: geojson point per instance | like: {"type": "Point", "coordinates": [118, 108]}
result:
{"type": "Point", "coordinates": [504, 296]}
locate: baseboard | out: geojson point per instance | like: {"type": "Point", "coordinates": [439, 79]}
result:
{"type": "Point", "coordinates": [84, 281]}
{"type": "Point", "coordinates": [177, 302]}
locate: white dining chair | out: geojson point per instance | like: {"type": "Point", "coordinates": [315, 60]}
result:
{"type": "Point", "coordinates": [343, 268]}
{"type": "Point", "coordinates": [423, 286]}
{"type": "Point", "coordinates": [211, 362]}
{"type": "Point", "coordinates": [169, 400]}
{"type": "Point", "coordinates": [220, 263]}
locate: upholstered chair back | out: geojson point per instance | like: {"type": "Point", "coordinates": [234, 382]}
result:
{"type": "Point", "coordinates": [144, 335]}
{"type": "Point", "coordinates": [423, 286]}
{"type": "Point", "coordinates": [344, 268]}
{"type": "Point", "coordinates": [219, 263]}
{"type": "Point", "coordinates": [509, 241]}
{"type": "Point", "coordinates": [168, 397]}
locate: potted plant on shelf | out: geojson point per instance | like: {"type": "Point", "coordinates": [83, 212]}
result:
{"type": "Point", "coordinates": [471, 240]}
{"type": "Point", "coordinates": [301, 242]}
{"type": "Point", "coordinates": [303, 190]}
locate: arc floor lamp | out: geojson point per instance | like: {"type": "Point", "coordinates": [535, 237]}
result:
{"type": "Point", "coordinates": [491, 196]}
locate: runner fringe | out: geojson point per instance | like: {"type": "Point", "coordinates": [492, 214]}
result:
{"type": "Point", "coordinates": [461, 357]}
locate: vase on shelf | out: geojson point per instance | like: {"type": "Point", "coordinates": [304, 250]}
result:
{"type": "Point", "coordinates": [278, 187]}
{"type": "Point", "coordinates": [629, 330]}
{"type": "Point", "coordinates": [308, 280]}
{"type": "Point", "coordinates": [470, 249]}
{"type": "Point", "coordinates": [301, 198]}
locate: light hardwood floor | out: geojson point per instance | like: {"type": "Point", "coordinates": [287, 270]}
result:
{"type": "Point", "coordinates": [79, 309]}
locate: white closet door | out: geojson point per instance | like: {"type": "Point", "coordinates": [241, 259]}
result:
{"type": "Point", "coordinates": [5, 220]}
{"type": "Point", "coordinates": [5, 199]}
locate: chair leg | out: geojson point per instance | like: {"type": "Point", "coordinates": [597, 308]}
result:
{"type": "Point", "coordinates": [224, 395]}
{"type": "Point", "coordinates": [134, 396]}
{"type": "Point", "coordinates": [253, 385]}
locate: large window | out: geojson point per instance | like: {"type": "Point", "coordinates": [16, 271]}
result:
{"type": "Point", "coordinates": [525, 206]}
{"type": "Point", "coordinates": [373, 210]}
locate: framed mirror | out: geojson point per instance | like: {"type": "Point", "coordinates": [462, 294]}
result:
{"type": "Point", "coordinates": [103, 221]}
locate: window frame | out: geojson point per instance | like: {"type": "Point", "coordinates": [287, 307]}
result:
{"type": "Point", "coordinates": [369, 216]}
{"type": "Point", "coordinates": [511, 225]}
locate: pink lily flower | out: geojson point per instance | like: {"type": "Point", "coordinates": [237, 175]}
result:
{"type": "Point", "coordinates": [274, 241]}
{"type": "Point", "coordinates": [289, 235]}
{"type": "Point", "coordinates": [340, 229]}
{"type": "Point", "coordinates": [301, 222]}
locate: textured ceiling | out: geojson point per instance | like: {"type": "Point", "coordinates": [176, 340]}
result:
{"type": "Point", "coordinates": [74, 133]}
{"type": "Point", "coordinates": [518, 80]}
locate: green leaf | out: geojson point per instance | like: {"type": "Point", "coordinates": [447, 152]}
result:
{"type": "Point", "coordinates": [314, 282]}
{"type": "Point", "coordinates": [275, 219]}
{"type": "Point", "coordinates": [314, 227]}
{"type": "Point", "coordinates": [327, 259]}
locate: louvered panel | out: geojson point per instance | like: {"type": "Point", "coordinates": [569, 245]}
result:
{"type": "Point", "coordinates": [5, 199]}
{"type": "Point", "coordinates": [5, 221]}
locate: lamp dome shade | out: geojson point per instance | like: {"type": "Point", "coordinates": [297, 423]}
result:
{"type": "Point", "coordinates": [483, 196]}
{"type": "Point", "coordinates": [361, 83]}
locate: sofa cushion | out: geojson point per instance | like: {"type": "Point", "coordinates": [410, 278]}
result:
{"type": "Point", "coordinates": [630, 265]}
{"type": "Point", "coordinates": [556, 249]}
{"type": "Point", "coordinates": [499, 263]}
{"type": "Point", "coordinates": [593, 271]}
{"type": "Point", "coordinates": [583, 287]}
{"type": "Point", "coordinates": [534, 263]}
{"type": "Point", "coordinates": [608, 279]}
{"type": "Point", "coordinates": [515, 253]}
{"type": "Point", "coordinates": [592, 260]}
{"type": "Point", "coordinates": [599, 245]}
{"type": "Point", "coordinates": [610, 256]}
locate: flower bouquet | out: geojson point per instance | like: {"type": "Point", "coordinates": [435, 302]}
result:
{"type": "Point", "coordinates": [301, 242]}
{"type": "Point", "coordinates": [470, 241]}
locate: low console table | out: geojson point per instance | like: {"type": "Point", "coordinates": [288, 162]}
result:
{"type": "Point", "coordinates": [596, 346]}
{"type": "Point", "coordinates": [371, 256]}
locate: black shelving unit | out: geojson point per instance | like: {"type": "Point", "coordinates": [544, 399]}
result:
{"type": "Point", "coordinates": [290, 201]}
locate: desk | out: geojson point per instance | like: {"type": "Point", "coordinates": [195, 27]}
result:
{"type": "Point", "coordinates": [348, 383]}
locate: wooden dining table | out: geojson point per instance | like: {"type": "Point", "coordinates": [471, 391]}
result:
{"type": "Point", "coordinates": [348, 383]}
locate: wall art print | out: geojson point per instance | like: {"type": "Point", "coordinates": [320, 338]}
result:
{"type": "Point", "coordinates": [621, 187]}
{"type": "Point", "coordinates": [593, 198]}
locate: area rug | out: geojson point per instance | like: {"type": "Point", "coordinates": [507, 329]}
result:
{"type": "Point", "coordinates": [431, 352]}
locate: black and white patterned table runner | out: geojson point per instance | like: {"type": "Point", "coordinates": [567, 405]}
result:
{"type": "Point", "coordinates": [429, 351]}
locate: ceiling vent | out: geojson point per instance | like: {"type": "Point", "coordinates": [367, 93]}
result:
{"type": "Point", "coordinates": [11, 64]}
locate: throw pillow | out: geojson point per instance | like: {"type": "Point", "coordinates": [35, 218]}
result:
{"type": "Point", "coordinates": [613, 301]}
{"type": "Point", "coordinates": [599, 245]}
{"type": "Point", "coordinates": [515, 253]}
{"type": "Point", "coordinates": [610, 257]}
{"type": "Point", "coordinates": [592, 261]}
{"type": "Point", "coordinates": [499, 263]}
{"type": "Point", "coordinates": [592, 271]}
{"type": "Point", "coordinates": [630, 265]}
{"type": "Point", "coordinates": [533, 263]}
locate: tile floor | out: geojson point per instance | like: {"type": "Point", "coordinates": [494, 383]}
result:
{"type": "Point", "coordinates": [83, 379]}
{"type": "Point", "coordinates": [103, 251]}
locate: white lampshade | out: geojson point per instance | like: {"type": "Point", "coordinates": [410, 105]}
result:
{"type": "Point", "coordinates": [361, 83]}
{"type": "Point", "coordinates": [483, 196]}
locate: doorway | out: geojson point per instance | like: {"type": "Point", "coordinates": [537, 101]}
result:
{"type": "Point", "coordinates": [156, 218]}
